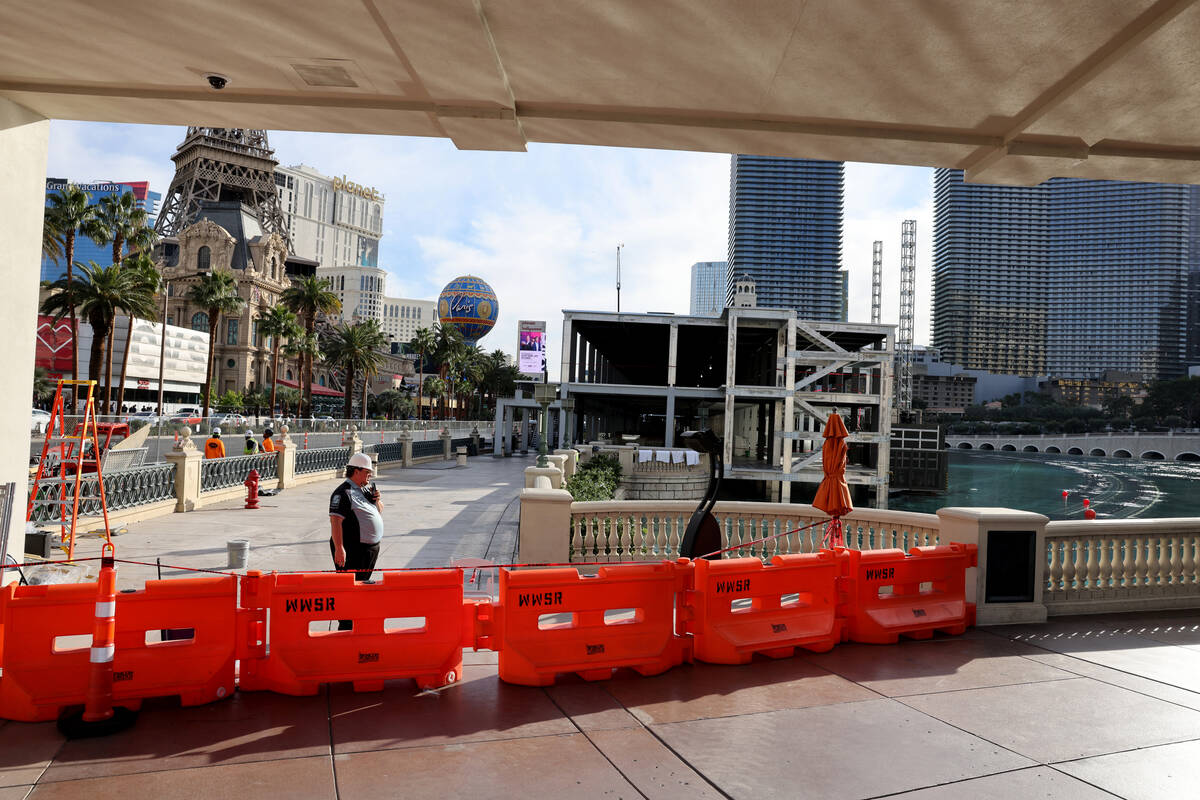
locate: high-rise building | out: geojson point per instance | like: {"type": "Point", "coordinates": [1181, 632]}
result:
{"type": "Point", "coordinates": [785, 233]}
{"type": "Point", "coordinates": [338, 223]}
{"type": "Point", "coordinates": [85, 249]}
{"type": "Point", "coordinates": [1070, 278]}
{"type": "Point", "coordinates": [402, 317]}
{"type": "Point", "coordinates": [708, 288]}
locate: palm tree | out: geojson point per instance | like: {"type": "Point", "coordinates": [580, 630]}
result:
{"type": "Point", "coordinates": [217, 294]}
{"type": "Point", "coordinates": [278, 324]}
{"type": "Point", "coordinates": [288, 397]}
{"type": "Point", "coordinates": [98, 295]}
{"type": "Point", "coordinates": [434, 387]}
{"type": "Point", "coordinates": [307, 297]}
{"type": "Point", "coordinates": [115, 215]}
{"type": "Point", "coordinates": [70, 212]}
{"type": "Point", "coordinates": [304, 347]}
{"type": "Point", "coordinates": [356, 349]}
{"type": "Point", "coordinates": [449, 353]}
{"type": "Point", "coordinates": [144, 283]}
{"type": "Point", "coordinates": [424, 342]}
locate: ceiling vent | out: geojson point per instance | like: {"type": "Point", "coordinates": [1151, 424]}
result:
{"type": "Point", "coordinates": [324, 75]}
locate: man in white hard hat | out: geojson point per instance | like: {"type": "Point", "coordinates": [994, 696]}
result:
{"type": "Point", "coordinates": [356, 526]}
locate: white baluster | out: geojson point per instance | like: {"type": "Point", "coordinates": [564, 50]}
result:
{"type": "Point", "coordinates": [1139, 564]}
{"type": "Point", "coordinates": [1189, 560]}
{"type": "Point", "coordinates": [1104, 565]}
{"type": "Point", "coordinates": [1070, 553]}
{"type": "Point", "coordinates": [1054, 565]}
{"type": "Point", "coordinates": [1176, 562]}
{"type": "Point", "coordinates": [1129, 562]}
{"type": "Point", "coordinates": [1154, 560]}
{"type": "Point", "coordinates": [1093, 562]}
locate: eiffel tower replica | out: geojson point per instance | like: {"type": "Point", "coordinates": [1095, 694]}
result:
{"type": "Point", "coordinates": [222, 164]}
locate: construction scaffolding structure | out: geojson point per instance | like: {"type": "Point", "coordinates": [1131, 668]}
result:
{"type": "Point", "coordinates": [762, 379]}
{"type": "Point", "coordinates": [876, 282]}
{"type": "Point", "coordinates": [904, 335]}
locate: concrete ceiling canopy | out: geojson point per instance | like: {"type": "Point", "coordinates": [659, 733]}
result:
{"type": "Point", "coordinates": [1010, 92]}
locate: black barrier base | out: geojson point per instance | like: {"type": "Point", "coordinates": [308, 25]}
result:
{"type": "Point", "coordinates": [72, 725]}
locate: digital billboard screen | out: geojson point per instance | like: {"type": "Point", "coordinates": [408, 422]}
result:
{"type": "Point", "coordinates": [531, 347]}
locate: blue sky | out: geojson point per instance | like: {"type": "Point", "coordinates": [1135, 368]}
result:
{"type": "Point", "coordinates": [542, 226]}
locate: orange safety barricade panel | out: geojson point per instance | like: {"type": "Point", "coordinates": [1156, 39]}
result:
{"type": "Point", "coordinates": [739, 607]}
{"type": "Point", "coordinates": [553, 621]}
{"type": "Point", "coordinates": [410, 624]}
{"type": "Point", "coordinates": [172, 638]}
{"type": "Point", "coordinates": [892, 593]}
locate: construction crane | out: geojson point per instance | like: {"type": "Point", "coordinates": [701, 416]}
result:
{"type": "Point", "coordinates": [904, 337]}
{"type": "Point", "coordinates": [876, 281]}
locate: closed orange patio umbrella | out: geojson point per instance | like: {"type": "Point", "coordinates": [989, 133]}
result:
{"type": "Point", "coordinates": [833, 495]}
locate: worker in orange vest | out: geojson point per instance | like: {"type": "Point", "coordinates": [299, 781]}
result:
{"type": "Point", "coordinates": [214, 447]}
{"type": "Point", "coordinates": [268, 446]}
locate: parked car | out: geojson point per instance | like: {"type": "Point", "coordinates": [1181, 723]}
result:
{"type": "Point", "coordinates": [229, 420]}
{"type": "Point", "coordinates": [41, 421]}
{"type": "Point", "coordinates": [187, 416]}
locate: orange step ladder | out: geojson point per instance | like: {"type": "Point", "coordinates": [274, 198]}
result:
{"type": "Point", "coordinates": [66, 472]}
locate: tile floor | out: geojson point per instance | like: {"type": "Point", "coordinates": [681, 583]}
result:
{"type": "Point", "coordinates": [1036, 711]}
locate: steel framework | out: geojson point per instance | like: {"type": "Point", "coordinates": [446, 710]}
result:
{"type": "Point", "coordinates": [876, 282]}
{"type": "Point", "coordinates": [213, 164]}
{"type": "Point", "coordinates": [904, 337]}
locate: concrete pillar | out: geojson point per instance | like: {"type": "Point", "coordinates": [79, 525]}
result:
{"type": "Point", "coordinates": [187, 460]}
{"type": "Point", "coordinates": [669, 422]}
{"type": "Point", "coordinates": [625, 456]}
{"type": "Point", "coordinates": [1007, 585]}
{"type": "Point", "coordinates": [24, 138]}
{"type": "Point", "coordinates": [445, 437]}
{"type": "Point", "coordinates": [570, 462]}
{"type": "Point", "coordinates": [355, 443]}
{"type": "Point", "coordinates": [552, 472]}
{"type": "Point", "coordinates": [476, 439]}
{"type": "Point", "coordinates": [545, 526]}
{"type": "Point", "coordinates": [460, 456]}
{"type": "Point", "coordinates": [406, 440]}
{"type": "Point", "coordinates": [525, 419]}
{"type": "Point", "coordinates": [285, 448]}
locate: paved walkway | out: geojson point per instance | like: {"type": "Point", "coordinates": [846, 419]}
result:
{"type": "Point", "coordinates": [1084, 708]}
{"type": "Point", "coordinates": [433, 514]}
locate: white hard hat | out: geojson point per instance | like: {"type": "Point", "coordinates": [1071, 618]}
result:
{"type": "Point", "coordinates": [360, 460]}
{"type": "Point", "coordinates": [217, 431]}
{"type": "Point", "coordinates": [249, 433]}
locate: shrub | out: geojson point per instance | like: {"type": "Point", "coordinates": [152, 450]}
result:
{"type": "Point", "coordinates": [595, 480]}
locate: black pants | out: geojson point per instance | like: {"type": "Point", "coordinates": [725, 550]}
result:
{"type": "Point", "coordinates": [360, 558]}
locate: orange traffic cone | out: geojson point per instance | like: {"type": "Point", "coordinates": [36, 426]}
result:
{"type": "Point", "coordinates": [98, 717]}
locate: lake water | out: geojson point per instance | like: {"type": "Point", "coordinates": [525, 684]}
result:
{"type": "Point", "coordinates": [1117, 488]}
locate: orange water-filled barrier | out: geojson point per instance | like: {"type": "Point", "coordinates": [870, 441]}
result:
{"type": "Point", "coordinates": [741, 607]}
{"type": "Point", "coordinates": [171, 638]}
{"type": "Point", "coordinates": [892, 593]}
{"type": "Point", "coordinates": [410, 624]}
{"type": "Point", "coordinates": [553, 621]}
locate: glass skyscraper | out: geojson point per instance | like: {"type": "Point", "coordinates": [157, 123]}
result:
{"type": "Point", "coordinates": [785, 232]}
{"type": "Point", "coordinates": [85, 249]}
{"type": "Point", "coordinates": [708, 288]}
{"type": "Point", "coordinates": [1071, 278]}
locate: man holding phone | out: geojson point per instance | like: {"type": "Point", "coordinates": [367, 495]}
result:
{"type": "Point", "coordinates": [356, 526]}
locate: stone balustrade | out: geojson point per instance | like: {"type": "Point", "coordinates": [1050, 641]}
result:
{"type": "Point", "coordinates": [1078, 567]}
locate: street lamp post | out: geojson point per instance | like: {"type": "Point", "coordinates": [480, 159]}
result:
{"type": "Point", "coordinates": [544, 394]}
{"type": "Point", "coordinates": [162, 348]}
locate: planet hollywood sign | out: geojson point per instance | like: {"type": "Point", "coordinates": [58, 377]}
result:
{"type": "Point", "coordinates": [343, 185]}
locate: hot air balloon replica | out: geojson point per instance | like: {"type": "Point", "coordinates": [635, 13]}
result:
{"type": "Point", "coordinates": [468, 303]}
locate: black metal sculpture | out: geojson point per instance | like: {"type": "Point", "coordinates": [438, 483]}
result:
{"type": "Point", "coordinates": [703, 535]}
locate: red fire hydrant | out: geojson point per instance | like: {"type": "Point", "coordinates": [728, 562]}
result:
{"type": "Point", "coordinates": [252, 489]}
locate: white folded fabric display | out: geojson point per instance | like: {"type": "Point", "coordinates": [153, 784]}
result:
{"type": "Point", "coordinates": [678, 456]}
{"type": "Point", "coordinates": [693, 458]}
{"type": "Point", "coordinates": [663, 455]}
{"type": "Point", "coordinates": [644, 456]}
